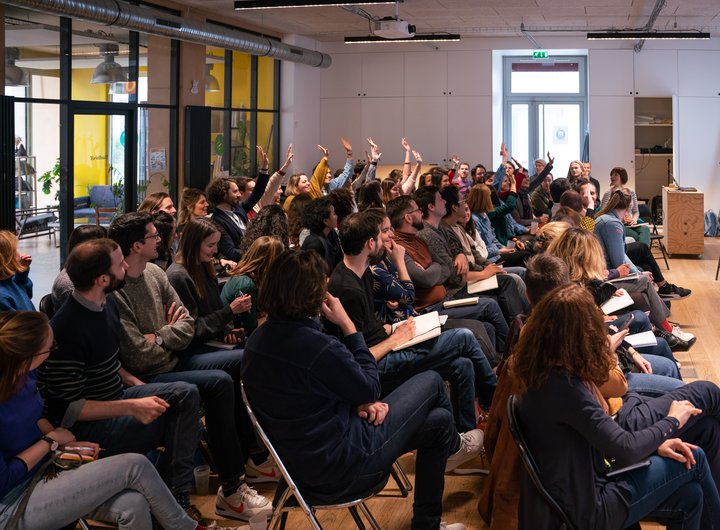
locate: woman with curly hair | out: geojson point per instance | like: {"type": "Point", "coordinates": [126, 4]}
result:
{"type": "Point", "coordinates": [193, 204]}
{"type": "Point", "coordinates": [270, 221]}
{"type": "Point", "coordinates": [319, 217]}
{"type": "Point", "coordinates": [247, 276]}
{"type": "Point", "coordinates": [561, 369]}
{"type": "Point", "coordinates": [343, 200]}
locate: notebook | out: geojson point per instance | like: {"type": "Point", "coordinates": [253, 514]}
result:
{"type": "Point", "coordinates": [640, 340]}
{"type": "Point", "coordinates": [427, 327]}
{"type": "Point", "coordinates": [616, 303]}
{"type": "Point", "coordinates": [480, 286]}
{"type": "Point", "coordinates": [461, 302]}
{"type": "Point", "coordinates": [628, 278]}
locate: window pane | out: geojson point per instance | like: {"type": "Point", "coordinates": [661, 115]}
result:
{"type": "Point", "coordinates": [153, 151]}
{"type": "Point", "coordinates": [545, 78]}
{"type": "Point", "coordinates": [241, 80]}
{"type": "Point", "coordinates": [520, 133]}
{"type": "Point", "coordinates": [240, 143]}
{"type": "Point", "coordinates": [559, 133]}
{"type": "Point", "coordinates": [266, 82]}
{"type": "Point", "coordinates": [266, 136]}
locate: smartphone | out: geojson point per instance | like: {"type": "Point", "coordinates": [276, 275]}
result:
{"type": "Point", "coordinates": [627, 323]}
{"type": "Point", "coordinates": [239, 335]}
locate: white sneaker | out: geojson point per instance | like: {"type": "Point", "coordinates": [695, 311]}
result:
{"type": "Point", "coordinates": [452, 526]}
{"type": "Point", "coordinates": [682, 335]}
{"type": "Point", "coordinates": [471, 443]}
{"type": "Point", "coordinates": [265, 472]}
{"type": "Point", "coordinates": [243, 504]}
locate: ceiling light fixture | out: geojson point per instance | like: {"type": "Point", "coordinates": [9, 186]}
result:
{"type": "Point", "coordinates": [648, 35]}
{"type": "Point", "coordinates": [14, 75]}
{"type": "Point", "coordinates": [419, 37]}
{"type": "Point", "coordinates": [211, 82]}
{"type": "Point", "coordinates": [265, 4]}
{"type": "Point", "coordinates": [108, 71]}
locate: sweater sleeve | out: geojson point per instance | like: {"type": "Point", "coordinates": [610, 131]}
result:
{"type": "Point", "coordinates": [505, 208]}
{"type": "Point", "coordinates": [12, 472]}
{"type": "Point", "coordinates": [342, 178]}
{"type": "Point", "coordinates": [423, 278]}
{"type": "Point", "coordinates": [538, 179]}
{"type": "Point", "coordinates": [257, 192]}
{"type": "Point", "coordinates": [318, 179]}
{"type": "Point", "coordinates": [439, 255]}
{"type": "Point", "coordinates": [273, 184]}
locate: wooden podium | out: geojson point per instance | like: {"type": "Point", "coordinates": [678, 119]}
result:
{"type": "Point", "coordinates": [683, 221]}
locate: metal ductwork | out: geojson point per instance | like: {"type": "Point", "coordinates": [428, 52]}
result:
{"type": "Point", "coordinates": [154, 22]}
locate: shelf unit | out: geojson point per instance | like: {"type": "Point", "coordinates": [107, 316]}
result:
{"type": "Point", "coordinates": [651, 169]}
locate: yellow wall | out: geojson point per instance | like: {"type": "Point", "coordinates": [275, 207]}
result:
{"type": "Point", "coordinates": [91, 142]}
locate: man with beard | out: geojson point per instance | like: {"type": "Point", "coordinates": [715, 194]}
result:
{"type": "Point", "coordinates": [82, 381]}
{"type": "Point", "coordinates": [455, 354]}
{"type": "Point", "coordinates": [155, 332]}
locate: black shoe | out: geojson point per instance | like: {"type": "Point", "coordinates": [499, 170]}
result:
{"type": "Point", "coordinates": [670, 291]}
{"type": "Point", "coordinates": [675, 343]}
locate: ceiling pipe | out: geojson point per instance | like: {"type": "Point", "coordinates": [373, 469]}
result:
{"type": "Point", "coordinates": [659, 4]}
{"type": "Point", "coordinates": [147, 20]}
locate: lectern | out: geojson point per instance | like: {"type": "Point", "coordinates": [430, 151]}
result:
{"type": "Point", "coordinates": [683, 221]}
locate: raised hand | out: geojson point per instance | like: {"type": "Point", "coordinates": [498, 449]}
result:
{"type": "Point", "coordinates": [371, 142]}
{"type": "Point", "coordinates": [262, 155]}
{"type": "Point", "coordinates": [551, 160]}
{"type": "Point", "coordinates": [346, 145]}
{"type": "Point", "coordinates": [325, 152]}
{"type": "Point", "coordinates": [418, 157]}
{"type": "Point", "coordinates": [405, 144]}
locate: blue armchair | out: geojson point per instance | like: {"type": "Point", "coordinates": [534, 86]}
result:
{"type": "Point", "coordinates": [99, 207]}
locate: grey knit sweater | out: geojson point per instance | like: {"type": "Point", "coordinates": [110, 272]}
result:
{"type": "Point", "coordinates": [143, 304]}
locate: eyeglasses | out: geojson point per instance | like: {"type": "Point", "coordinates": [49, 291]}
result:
{"type": "Point", "coordinates": [412, 211]}
{"type": "Point", "coordinates": [53, 348]}
{"type": "Point", "coordinates": [152, 236]}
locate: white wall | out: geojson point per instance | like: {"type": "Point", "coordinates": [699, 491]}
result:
{"type": "Point", "coordinates": [693, 67]}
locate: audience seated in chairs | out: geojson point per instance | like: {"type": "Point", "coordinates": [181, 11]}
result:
{"type": "Point", "coordinates": [318, 397]}
{"type": "Point", "coordinates": [156, 331]}
{"type": "Point", "coordinates": [82, 380]}
{"type": "Point", "coordinates": [122, 489]}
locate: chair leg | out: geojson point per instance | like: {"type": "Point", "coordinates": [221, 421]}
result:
{"type": "Point", "coordinates": [717, 271]}
{"type": "Point", "coordinates": [356, 516]}
{"type": "Point", "coordinates": [664, 254]}
{"type": "Point", "coordinates": [83, 524]}
{"type": "Point", "coordinates": [278, 515]}
{"type": "Point", "coordinates": [369, 516]}
{"type": "Point", "coordinates": [402, 480]}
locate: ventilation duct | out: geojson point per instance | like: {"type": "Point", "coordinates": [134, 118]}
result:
{"type": "Point", "coordinates": [151, 21]}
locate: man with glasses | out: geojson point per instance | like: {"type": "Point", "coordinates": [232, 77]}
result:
{"type": "Point", "coordinates": [156, 331]}
{"type": "Point", "coordinates": [87, 391]}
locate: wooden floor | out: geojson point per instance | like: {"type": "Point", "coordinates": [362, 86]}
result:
{"type": "Point", "coordinates": [698, 314]}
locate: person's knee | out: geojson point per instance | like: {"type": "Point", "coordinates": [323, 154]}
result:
{"type": "Point", "coordinates": [461, 370]}
{"type": "Point", "coordinates": [185, 394]}
{"type": "Point", "coordinates": [131, 509]}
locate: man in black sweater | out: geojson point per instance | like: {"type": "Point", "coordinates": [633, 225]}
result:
{"type": "Point", "coordinates": [83, 383]}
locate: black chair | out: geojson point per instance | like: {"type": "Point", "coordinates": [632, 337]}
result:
{"type": "Point", "coordinates": [46, 306]}
{"type": "Point", "coordinates": [288, 495]}
{"type": "Point", "coordinates": [647, 214]}
{"type": "Point", "coordinates": [533, 472]}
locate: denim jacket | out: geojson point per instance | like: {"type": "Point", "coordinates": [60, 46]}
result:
{"type": "Point", "coordinates": [483, 225]}
{"type": "Point", "coordinates": [611, 233]}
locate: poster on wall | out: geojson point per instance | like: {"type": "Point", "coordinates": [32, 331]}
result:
{"type": "Point", "coordinates": [158, 161]}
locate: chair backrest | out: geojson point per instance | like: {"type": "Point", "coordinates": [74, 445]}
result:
{"type": "Point", "coordinates": [656, 210]}
{"type": "Point", "coordinates": [513, 405]}
{"type": "Point", "coordinates": [46, 305]}
{"type": "Point", "coordinates": [268, 444]}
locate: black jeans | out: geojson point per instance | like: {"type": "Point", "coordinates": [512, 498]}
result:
{"type": "Point", "coordinates": [640, 255]}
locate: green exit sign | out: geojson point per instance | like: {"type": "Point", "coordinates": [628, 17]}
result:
{"type": "Point", "coordinates": [540, 54]}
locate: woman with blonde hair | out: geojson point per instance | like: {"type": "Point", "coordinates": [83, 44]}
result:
{"type": "Point", "coordinates": [193, 204]}
{"type": "Point", "coordinates": [247, 276]}
{"type": "Point", "coordinates": [297, 184]}
{"type": "Point", "coordinates": [16, 288]}
{"type": "Point", "coordinates": [547, 234]}
{"type": "Point", "coordinates": [567, 420]}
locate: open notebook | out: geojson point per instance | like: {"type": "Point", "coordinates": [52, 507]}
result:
{"type": "Point", "coordinates": [616, 303]}
{"type": "Point", "coordinates": [480, 286]}
{"type": "Point", "coordinates": [427, 327]}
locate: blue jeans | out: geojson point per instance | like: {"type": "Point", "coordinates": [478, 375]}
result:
{"type": "Point", "coordinates": [685, 498]}
{"type": "Point", "coordinates": [457, 357]}
{"type": "Point", "coordinates": [216, 375]}
{"type": "Point", "coordinates": [419, 418]}
{"type": "Point", "coordinates": [640, 412]}
{"type": "Point", "coordinates": [486, 310]}
{"type": "Point", "coordinates": [121, 489]}
{"type": "Point", "coordinates": [178, 430]}
{"type": "Point", "coordinates": [664, 378]}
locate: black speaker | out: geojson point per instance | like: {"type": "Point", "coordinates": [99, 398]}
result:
{"type": "Point", "coordinates": [198, 166]}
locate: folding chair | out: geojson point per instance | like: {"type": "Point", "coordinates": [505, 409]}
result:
{"type": "Point", "coordinates": [529, 462]}
{"type": "Point", "coordinates": [287, 490]}
{"type": "Point", "coordinates": [655, 237]}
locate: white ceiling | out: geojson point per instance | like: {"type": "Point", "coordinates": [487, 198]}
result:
{"type": "Point", "coordinates": [479, 18]}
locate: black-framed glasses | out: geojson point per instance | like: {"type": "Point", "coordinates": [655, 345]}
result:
{"type": "Point", "coordinates": [412, 211]}
{"type": "Point", "coordinates": [156, 235]}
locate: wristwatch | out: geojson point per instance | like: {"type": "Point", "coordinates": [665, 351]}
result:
{"type": "Point", "coordinates": [53, 443]}
{"type": "Point", "coordinates": [158, 340]}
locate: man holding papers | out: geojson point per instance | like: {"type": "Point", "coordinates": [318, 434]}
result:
{"type": "Point", "coordinates": [454, 354]}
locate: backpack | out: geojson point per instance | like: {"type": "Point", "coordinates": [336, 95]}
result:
{"type": "Point", "coordinates": [711, 224]}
